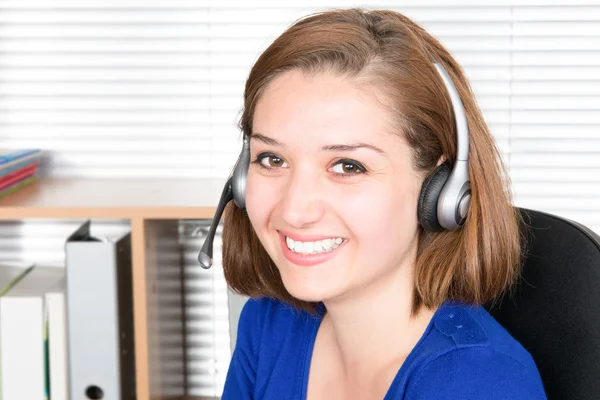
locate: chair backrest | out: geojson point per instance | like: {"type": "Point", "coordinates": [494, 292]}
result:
{"type": "Point", "coordinates": [554, 311]}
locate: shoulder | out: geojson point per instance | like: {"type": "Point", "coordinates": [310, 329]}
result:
{"type": "Point", "coordinates": [474, 357]}
{"type": "Point", "coordinates": [261, 331]}
{"type": "Point", "coordinates": [266, 311]}
{"type": "Point", "coordinates": [269, 319]}
{"type": "Point", "coordinates": [270, 351]}
{"type": "Point", "coordinates": [476, 372]}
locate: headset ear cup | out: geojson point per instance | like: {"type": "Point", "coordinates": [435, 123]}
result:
{"type": "Point", "coordinates": [240, 174]}
{"type": "Point", "coordinates": [428, 199]}
{"type": "Point", "coordinates": [239, 186]}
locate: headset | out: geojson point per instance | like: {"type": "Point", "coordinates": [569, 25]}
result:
{"type": "Point", "coordinates": [443, 202]}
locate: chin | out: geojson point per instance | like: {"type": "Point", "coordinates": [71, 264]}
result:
{"type": "Point", "coordinates": [312, 283]}
{"type": "Point", "coordinates": [307, 297]}
{"type": "Point", "coordinates": [302, 292]}
{"type": "Point", "coordinates": [301, 289]}
{"type": "Point", "coordinates": [309, 290]}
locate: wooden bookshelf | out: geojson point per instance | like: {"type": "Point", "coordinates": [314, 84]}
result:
{"type": "Point", "coordinates": [114, 198]}
{"type": "Point", "coordinates": [153, 207]}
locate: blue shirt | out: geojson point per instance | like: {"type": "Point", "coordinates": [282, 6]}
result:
{"type": "Point", "coordinates": [463, 354]}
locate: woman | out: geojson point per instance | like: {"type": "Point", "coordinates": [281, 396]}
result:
{"type": "Point", "coordinates": [356, 294]}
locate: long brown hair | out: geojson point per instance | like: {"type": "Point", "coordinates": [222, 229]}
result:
{"type": "Point", "coordinates": [391, 55]}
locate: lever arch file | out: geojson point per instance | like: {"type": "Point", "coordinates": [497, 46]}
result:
{"type": "Point", "coordinates": [100, 316]}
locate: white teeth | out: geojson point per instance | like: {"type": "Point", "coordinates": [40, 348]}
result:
{"type": "Point", "coordinates": [298, 247]}
{"type": "Point", "coordinates": [319, 246]}
{"type": "Point", "coordinates": [308, 247]}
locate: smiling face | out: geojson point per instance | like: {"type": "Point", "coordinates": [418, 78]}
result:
{"type": "Point", "coordinates": [326, 164]}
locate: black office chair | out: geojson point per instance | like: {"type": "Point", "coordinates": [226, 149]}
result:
{"type": "Point", "coordinates": [555, 310]}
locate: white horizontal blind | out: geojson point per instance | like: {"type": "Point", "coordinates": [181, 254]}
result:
{"type": "Point", "coordinates": [124, 88]}
{"type": "Point", "coordinates": [121, 88]}
{"type": "Point", "coordinates": [555, 110]}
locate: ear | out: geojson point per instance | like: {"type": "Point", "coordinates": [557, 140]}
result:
{"type": "Point", "coordinates": [441, 160]}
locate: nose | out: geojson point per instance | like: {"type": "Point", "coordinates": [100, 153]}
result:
{"type": "Point", "coordinates": [301, 206]}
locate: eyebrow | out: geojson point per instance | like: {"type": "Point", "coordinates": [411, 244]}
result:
{"type": "Point", "coordinates": [332, 147]}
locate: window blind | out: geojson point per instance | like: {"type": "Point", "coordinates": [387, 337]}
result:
{"type": "Point", "coordinates": [555, 98]}
{"type": "Point", "coordinates": [154, 89]}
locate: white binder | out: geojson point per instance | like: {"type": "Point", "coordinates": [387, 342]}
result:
{"type": "Point", "coordinates": [100, 316]}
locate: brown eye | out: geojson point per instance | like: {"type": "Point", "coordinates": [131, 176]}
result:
{"type": "Point", "coordinates": [274, 161]}
{"type": "Point", "coordinates": [347, 167]}
{"type": "Point", "coordinates": [270, 161]}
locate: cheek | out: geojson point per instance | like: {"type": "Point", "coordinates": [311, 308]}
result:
{"type": "Point", "coordinates": [382, 211]}
{"type": "Point", "coordinates": [260, 199]}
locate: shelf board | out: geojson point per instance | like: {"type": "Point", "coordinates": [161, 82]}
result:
{"type": "Point", "coordinates": [114, 198]}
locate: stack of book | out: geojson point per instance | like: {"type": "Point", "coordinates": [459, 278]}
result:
{"type": "Point", "coordinates": [33, 341]}
{"type": "Point", "coordinates": [18, 168]}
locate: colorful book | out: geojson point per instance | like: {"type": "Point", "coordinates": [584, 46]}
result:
{"type": "Point", "coordinates": [17, 176]}
{"type": "Point", "coordinates": [8, 155]}
{"type": "Point", "coordinates": [18, 163]}
{"type": "Point", "coordinates": [17, 186]}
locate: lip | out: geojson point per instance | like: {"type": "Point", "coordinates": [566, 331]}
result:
{"type": "Point", "coordinates": [307, 260]}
